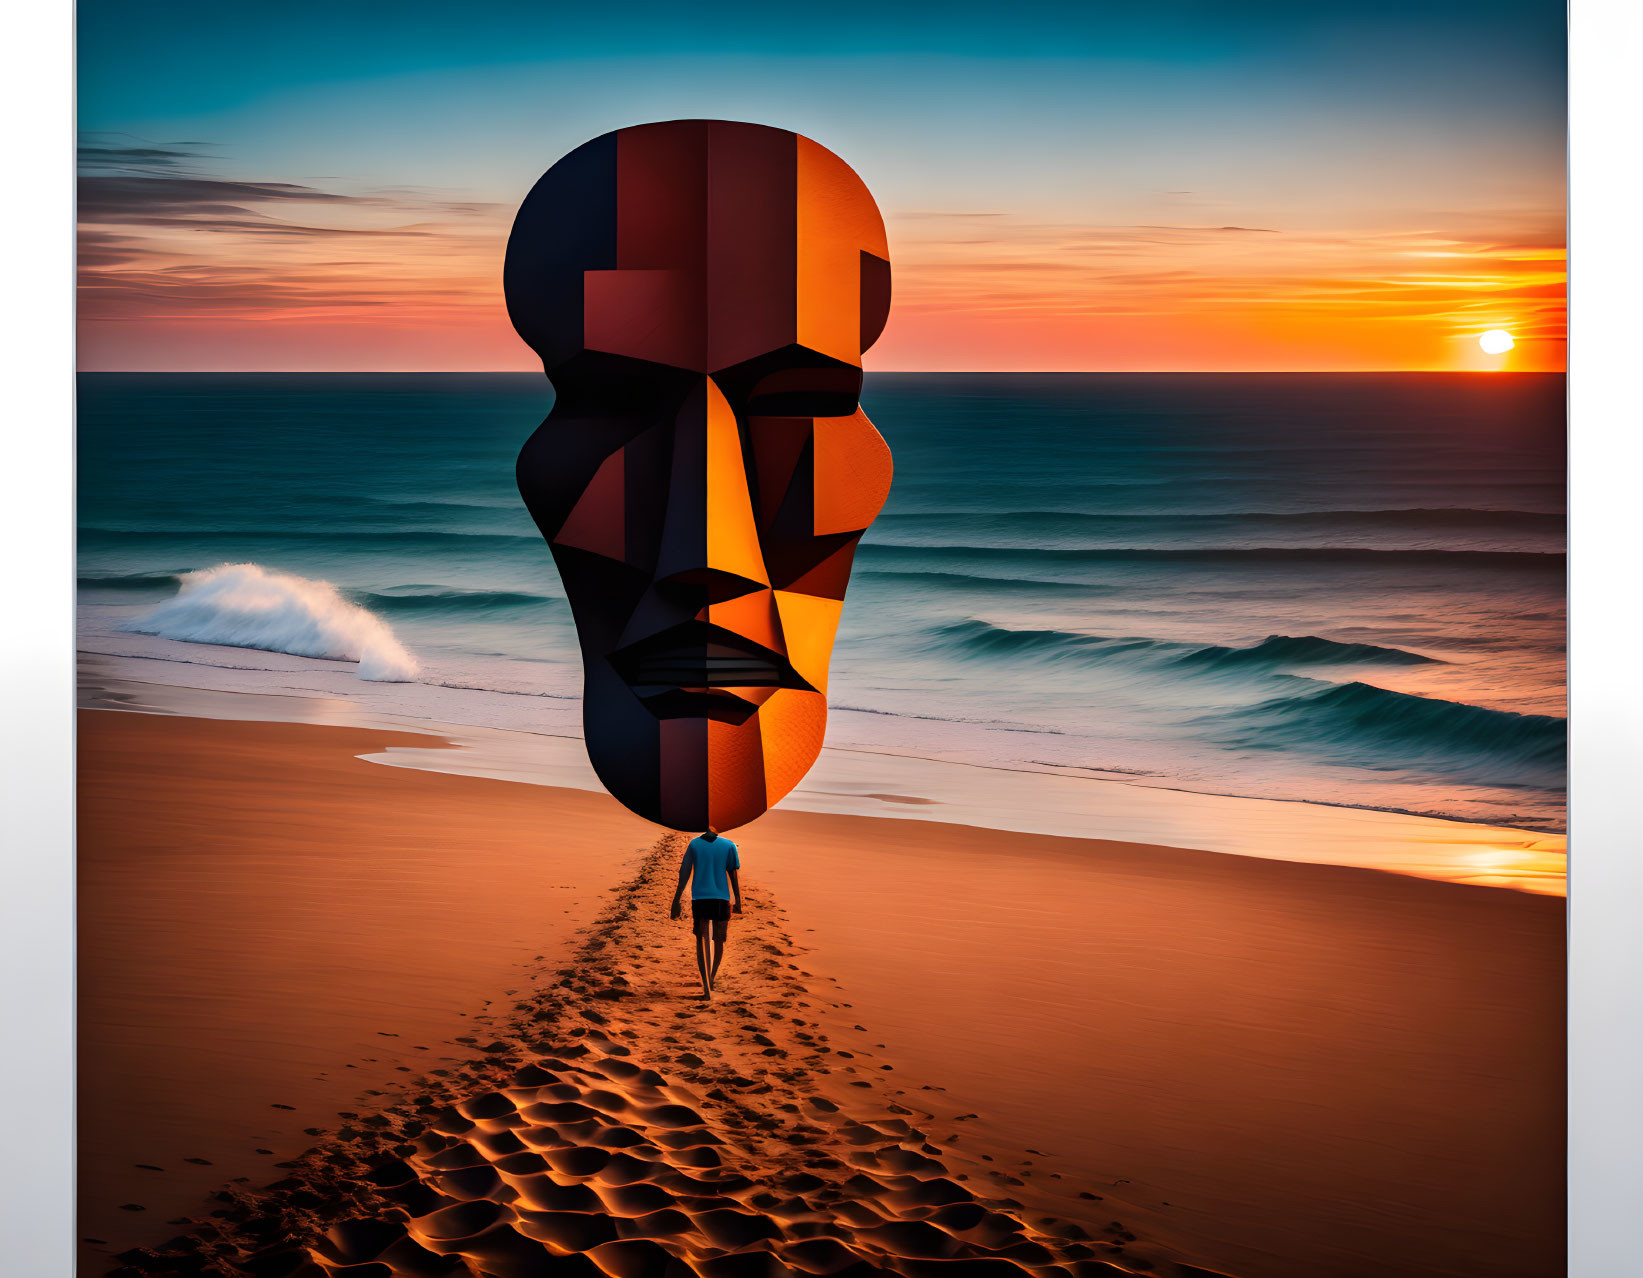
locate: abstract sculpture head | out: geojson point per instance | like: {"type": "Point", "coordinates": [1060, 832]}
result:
{"type": "Point", "coordinates": [701, 293]}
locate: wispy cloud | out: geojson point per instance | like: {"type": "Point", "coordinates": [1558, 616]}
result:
{"type": "Point", "coordinates": [165, 238]}
{"type": "Point", "coordinates": [176, 246]}
{"type": "Point", "coordinates": [1216, 230]}
{"type": "Point", "coordinates": [127, 154]}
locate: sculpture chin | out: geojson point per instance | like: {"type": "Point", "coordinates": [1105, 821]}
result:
{"type": "Point", "coordinates": [711, 755]}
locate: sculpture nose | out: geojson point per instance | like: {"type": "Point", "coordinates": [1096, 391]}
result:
{"type": "Point", "coordinates": [710, 547]}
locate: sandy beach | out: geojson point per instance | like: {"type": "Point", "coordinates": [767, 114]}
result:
{"type": "Point", "coordinates": [268, 927]}
{"type": "Point", "coordinates": [399, 1022]}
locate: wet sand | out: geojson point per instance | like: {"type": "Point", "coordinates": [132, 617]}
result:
{"type": "Point", "coordinates": [1148, 1056]}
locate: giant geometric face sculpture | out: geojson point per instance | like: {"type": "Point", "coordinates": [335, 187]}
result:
{"type": "Point", "coordinates": [701, 293]}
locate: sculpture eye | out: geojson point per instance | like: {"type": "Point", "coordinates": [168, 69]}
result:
{"type": "Point", "coordinates": [601, 385]}
{"type": "Point", "coordinates": [806, 392]}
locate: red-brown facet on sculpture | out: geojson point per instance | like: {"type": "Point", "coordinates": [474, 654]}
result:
{"type": "Point", "coordinates": [701, 292]}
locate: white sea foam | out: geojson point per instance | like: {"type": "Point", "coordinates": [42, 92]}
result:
{"type": "Point", "coordinates": [247, 606]}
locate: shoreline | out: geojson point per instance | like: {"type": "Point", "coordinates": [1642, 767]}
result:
{"type": "Point", "coordinates": [1264, 1067]}
{"type": "Point", "coordinates": [851, 780]}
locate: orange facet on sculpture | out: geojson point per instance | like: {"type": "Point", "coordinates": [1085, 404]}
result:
{"type": "Point", "coordinates": [701, 293]}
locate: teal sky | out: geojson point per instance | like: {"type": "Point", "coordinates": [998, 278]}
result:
{"type": "Point", "coordinates": [1314, 119]}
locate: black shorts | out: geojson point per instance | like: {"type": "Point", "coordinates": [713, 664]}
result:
{"type": "Point", "coordinates": [714, 910]}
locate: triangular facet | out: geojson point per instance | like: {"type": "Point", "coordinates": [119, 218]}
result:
{"type": "Point", "coordinates": [597, 522]}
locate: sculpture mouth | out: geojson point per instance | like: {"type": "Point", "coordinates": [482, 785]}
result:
{"type": "Point", "coordinates": [686, 671]}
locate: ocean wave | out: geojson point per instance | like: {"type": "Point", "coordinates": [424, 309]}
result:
{"type": "Point", "coordinates": [130, 580]}
{"type": "Point", "coordinates": [421, 537]}
{"type": "Point", "coordinates": [1538, 560]}
{"type": "Point", "coordinates": [1301, 650]}
{"type": "Point", "coordinates": [407, 505]}
{"type": "Point", "coordinates": [1359, 719]}
{"type": "Point", "coordinates": [1422, 516]}
{"type": "Point", "coordinates": [450, 600]}
{"type": "Point", "coordinates": [247, 606]}
{"type": "Point", "coordinates": [975, 638]}
{"type": "Point", "coordinates": [981, 639]}
{"type": "Point", "coordinates": [437, 539]}
{"type": "Point", "coordinates": [409, 599]}
{"type": "Point", "coordinates": [1022, 526]}
{"type": "Point", "coordinates": [971, 582]}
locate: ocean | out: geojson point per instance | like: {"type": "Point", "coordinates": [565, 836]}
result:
{"type": "Point", "coordinates": [1334, 589]}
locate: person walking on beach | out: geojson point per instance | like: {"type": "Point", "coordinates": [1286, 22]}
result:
{"type": "Point", "coordinates": [709, 865]}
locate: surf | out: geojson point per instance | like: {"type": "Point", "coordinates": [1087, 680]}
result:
{"type": "Point", "coordinates": [249, 606]}
{"type": "Point", "coordinates": [1360, 720]}
{"type": "Point", "coordinates": [973, 638]}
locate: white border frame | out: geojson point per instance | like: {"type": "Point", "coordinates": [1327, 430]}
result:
{"type": "Point", "coordinates": [1606, 457]}
{"type": "Point", "coordinates": [37, 644]}
{"type": "Point", "coordinates": [1606, 689]}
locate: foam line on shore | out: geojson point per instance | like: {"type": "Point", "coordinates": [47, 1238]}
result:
{"type": "Point", "coordinates": [1125, 807]}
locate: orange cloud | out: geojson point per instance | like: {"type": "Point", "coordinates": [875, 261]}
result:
{"type": "Point", "coordinates": [1040, 296]}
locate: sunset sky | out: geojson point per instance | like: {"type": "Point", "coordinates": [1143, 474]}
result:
{"type": "Point", "coordinates": [1169, 186]}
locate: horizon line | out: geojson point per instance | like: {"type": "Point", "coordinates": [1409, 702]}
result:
{"type": "Point", "coordinates": [877, 372]}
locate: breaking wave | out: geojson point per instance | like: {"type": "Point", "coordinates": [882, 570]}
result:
{"type": "Point", "coordinates": [1361, 720]}
{"type": "Point", "coordinates": [1302, 650]}
{"type": "Point", "coordinates": [973, 638]}
{"type": "Point", "coordinates": [247, 606]}
{"type": "Point", "coordinates": [439, 599]}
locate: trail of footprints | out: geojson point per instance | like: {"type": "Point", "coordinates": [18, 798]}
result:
{"type": "Point", "coordinates": [619, 1128]}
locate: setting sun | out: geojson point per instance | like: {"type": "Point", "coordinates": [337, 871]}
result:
{"type": "Point", "coordinates": [1497, 341]}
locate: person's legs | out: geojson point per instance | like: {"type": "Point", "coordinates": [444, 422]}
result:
{"type": "Point", "coordinates": [721, 933]}
{"type": "Point", "coordinates": [703, 955]}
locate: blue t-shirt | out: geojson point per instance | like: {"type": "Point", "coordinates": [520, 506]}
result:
{"type": "Point", "coordinates": [709, 859]}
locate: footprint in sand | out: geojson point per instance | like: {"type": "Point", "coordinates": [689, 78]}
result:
{"type": "Point", "coordinates": [592, 1159]}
